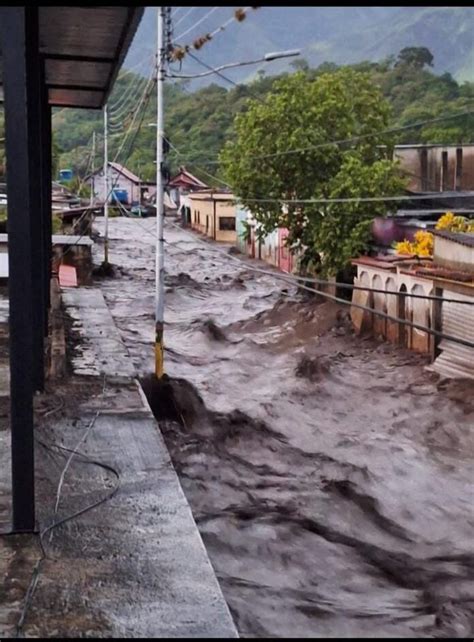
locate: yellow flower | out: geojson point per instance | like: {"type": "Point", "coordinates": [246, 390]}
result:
{"type": "Point", "coordinates": [423, 245]}
{"type": "Point", "coordinates": [445, 222]}
{"type": "Point", "coordinates": [404, 247]}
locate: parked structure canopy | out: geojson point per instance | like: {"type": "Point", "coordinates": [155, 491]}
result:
{"type": "Point", "coordinates": [50, 56]}
{"type": "Point", "coordinates": [82, 49]}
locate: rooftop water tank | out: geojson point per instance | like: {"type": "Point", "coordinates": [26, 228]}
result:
{"type": "Point", "coordinates": [65, 174]}
{"type": "Point", "coordinates": [120, 195]}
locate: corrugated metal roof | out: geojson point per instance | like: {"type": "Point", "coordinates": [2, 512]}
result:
{"type": "Point", "coordinates": [464, 238]}
{"type": "Point", "coordinates": [456, 361]}
{"type": "Point", "coordinates": [83, 49]}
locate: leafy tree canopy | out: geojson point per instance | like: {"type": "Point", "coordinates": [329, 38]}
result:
{"type": "Point", "coordinates": [417, 57]}
{"type": "Point", "coordinates": [305, 114]}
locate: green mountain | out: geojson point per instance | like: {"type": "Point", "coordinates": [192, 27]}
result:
{"type": "Point", "coordinates": [343, 35]}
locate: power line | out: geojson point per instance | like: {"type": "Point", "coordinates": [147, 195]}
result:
{"type": "Point", "coordinates": [133, 87]}
{"type": "Point", "coordinates": [288, 279]}
{"type": "Point", "coordinates": [229, 80]}
{"type": "Point", "coordinates": [180, 51]}
{"type": "Point", "coordinates": [185, 33]}
{"type": "Point", "coordinates": [146, 95]}
{"type": "Point", "coordinates": [353, 139]}
{"type": "Point", "coordinates": [83, 459]}
{"type": "Point", "coordinates": [366, 199]}
{"type": "Point", "coordinates": [183, 17]}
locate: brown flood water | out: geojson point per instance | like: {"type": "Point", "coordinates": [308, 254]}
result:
{"type": "Point", "coordinates": [331, 477]}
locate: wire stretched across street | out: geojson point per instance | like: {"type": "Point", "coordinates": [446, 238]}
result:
{"type": "Point", "coordinates": [290, 280]}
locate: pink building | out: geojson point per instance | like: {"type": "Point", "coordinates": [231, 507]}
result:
{"type": "Point", "coordinates": [286, 258]}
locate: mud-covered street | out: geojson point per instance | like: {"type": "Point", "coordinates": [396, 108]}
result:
{"type": "Point", "coordinates": [331, 476]}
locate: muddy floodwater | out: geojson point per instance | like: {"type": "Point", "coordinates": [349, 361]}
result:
{"type": "Point", "coordinates": [331, 477]}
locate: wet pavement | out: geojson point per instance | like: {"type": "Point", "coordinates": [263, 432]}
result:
{"type": "Point", "coordinates": [330, 476]}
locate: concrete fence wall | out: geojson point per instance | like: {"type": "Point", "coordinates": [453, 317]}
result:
{"type": "Point", "coordinates": [419, 311]}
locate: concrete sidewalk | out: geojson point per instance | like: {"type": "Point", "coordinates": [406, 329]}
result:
{"type": "Point", "coordinates": [135, 566]}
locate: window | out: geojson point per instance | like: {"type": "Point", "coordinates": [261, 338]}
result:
{"type": "Point", "coordinates": [227, 223]}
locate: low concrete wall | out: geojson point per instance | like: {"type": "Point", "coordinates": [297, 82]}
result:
{"type": "Point", "coordinates": [418, 311]}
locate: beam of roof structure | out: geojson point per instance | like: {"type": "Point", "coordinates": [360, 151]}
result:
{"type": "Point", "coordinates": [83, 49]}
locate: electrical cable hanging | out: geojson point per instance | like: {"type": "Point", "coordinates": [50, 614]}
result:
{"type": "Point", "coordinates": [146, 95]}
{"type": "Point", "coordinates": [185, 33]}
{"type": "Point", "coordinates": [136, 86]}
{"type": "Point", "coordinates": [183, 17]}
{"type": "Point", "coordinates": [288, 279]}
{"type": "Point", "coordinates": [392, 130]}
{"type": "Point", "coordinates": [179, 51]}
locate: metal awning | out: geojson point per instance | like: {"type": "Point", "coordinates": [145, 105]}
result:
{"type": "Point", "coordinates": [52, 57]}
{"type": "Point", "coordinates": [83, 49]}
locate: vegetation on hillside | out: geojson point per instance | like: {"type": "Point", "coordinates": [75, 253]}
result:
{"type": "Point", "coordinates": [199, 123]}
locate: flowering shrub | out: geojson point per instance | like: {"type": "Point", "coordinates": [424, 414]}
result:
{"type": "Point", "coordinates": [423, 243]}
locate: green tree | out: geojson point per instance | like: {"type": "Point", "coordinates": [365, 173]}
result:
{"type": "Point", "coordinates": [417, 57]}
{"type": "Point", "coordinates": [304, 114]}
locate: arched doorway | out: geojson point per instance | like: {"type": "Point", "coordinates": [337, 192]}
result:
{"type": "Point", "coordinates": [403, 329]}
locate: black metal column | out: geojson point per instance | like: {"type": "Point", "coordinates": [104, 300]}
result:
{"type": "Point", "coordinates": [34, 81]}
{"type": "Point", "coordinates": [46, 160]}
{"type": "Point", "coordinates": [19, 32]}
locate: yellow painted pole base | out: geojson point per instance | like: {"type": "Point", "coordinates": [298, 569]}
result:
{"type": "Point", "coordinates": [159, 366]}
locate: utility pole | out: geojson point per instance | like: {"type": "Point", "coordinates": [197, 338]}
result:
{"type": "Point", "coordinates": [92, 170]}
{"type": "Point", "coordinates": [106, 188]}
{"type": "Point", "coordinates": [160, 274]}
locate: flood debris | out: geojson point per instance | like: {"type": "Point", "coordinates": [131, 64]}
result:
{"type": "Point", "coordinates": [330, 476]}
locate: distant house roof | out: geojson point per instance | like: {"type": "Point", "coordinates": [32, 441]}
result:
{"type": "Point", "coordinates": [210, 194]}
{"type": "Point", "coordinates": [121, 170]}
{"type": "Point", "coordinates": [463, 238]}
{"type": "Point", "coordinates": [185, 179]}
{"type": "Point", "coordinates": [126, 172]}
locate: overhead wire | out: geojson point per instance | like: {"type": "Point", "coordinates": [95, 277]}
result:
{"type": "Point", "coordinates": [353, 139]}
{"type": "Point", "coordinates": [145, 96]}
{"type": "Point", "coordinates": [226, 78]}
{"type": "Point", "coordinates": [289, 280]}
{"type": "Point", "coordinates": [122, 104]}
{"type": "Point", "coordinates": [183, 17]}
{"type": "Point", "coordinates": [198, 22]}
{"type": "Point", "coordinates": [83, 458]}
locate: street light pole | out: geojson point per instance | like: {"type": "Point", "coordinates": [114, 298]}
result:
{"type": "Point", "coordinates": [106, 188]}
{"type": "Point", "coordinates": [160, 275]}
{"type": "Point", "coordinates": [92, 170]}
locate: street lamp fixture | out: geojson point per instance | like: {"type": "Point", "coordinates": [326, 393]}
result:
{"type": "Point", "coordinates": [275, 55]}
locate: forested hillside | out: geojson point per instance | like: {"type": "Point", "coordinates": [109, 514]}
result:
{"type": "Point", "coordinates": [198, 123]}
{"type": "Point", "coordinates": [344, 35]}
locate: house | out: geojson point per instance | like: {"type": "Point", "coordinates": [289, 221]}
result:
{"type": "Point", "coordinates": [213, 213]}
{"type": "Point", "coordinates": [454, 250]}
{"type": "Point", "coordinates": [448, 276]}
{"type": "Point", "coordinates": [437, 168]}
{"type": "Point", "coordinates": [247, 241]}
{"type": "Point", "coordinates": [182, 184]}
{"type": "Point", "coordinates": [286, 258]}
{"type": "Point", "coordinates": [133, 188]}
